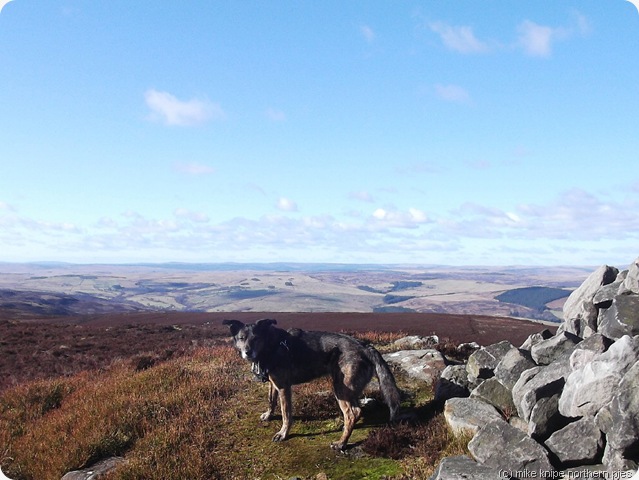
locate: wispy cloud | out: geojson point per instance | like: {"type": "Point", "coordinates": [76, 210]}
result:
{"type": "Point", "coordinates": [193, 168]}
{"type": "Point", "coordinates": [367, 32]}
{"type": "Point", "coordinates": [275, 115]}
{"type": "Point", "coordinates": [536, 40]}
{"type": "Point", "coordinates": [362, 196]}
{"type": "Point", "coordinates": [461, 39]}
{"type": "Point", "coordinates": [169, 110]}
{"type": "Point", "coordinates": [452, 93]}
{"type": "Point", "coordinates": [190, 215]}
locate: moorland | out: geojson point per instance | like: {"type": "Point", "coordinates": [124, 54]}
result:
{"type": "Point", "coordinates": [132, 361]}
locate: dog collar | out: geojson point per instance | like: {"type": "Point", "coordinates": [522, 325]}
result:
{"type": "Point", "coordinates": [259, 372]}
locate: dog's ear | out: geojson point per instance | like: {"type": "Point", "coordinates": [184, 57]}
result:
{"type": "Point", "coordinates": [265, 323]}
{"type": "Point", "coordinates": [234, 325]}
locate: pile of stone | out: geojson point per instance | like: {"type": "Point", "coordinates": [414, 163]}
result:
{"type": "Point", "coordinates": [559, 405]}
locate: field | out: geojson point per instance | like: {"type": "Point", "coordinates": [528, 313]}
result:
{"type": "Point", "coordinates": [167, 392]}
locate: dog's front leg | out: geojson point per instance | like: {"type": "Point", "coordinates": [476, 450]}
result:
{"type": "Point", "coordinates": [272, 403]}
{"type": "Point", "coordinates": [287, 414]}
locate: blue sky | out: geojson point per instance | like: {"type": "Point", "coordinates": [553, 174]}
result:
{"type": "Point", "coordinates": [466, 132]}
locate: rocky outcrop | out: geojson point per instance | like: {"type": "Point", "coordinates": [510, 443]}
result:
{"type": "Point", "coordinates": [564, 402]}
{"type": "Point", "coordinates": [425, 365]}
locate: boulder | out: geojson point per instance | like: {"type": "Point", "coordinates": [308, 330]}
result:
{"type": "Point", "coordinates": [512, 366]}
{"type": "Point", "coordinates": [95, 471]}
{"type": "Point", "coordinates": [622, 431]}
{"type": "Point", "coordinates": [493, 392]}
{"type": "Point", "coordinates": [547, 351]}
{"type": "Point", "coordinates": [535, 338]}
{"type": "Point", "coordinates": [453, 383]}
{"type": "Point", "coordinates": [482, 363]}
{"type": "Point", "coordinates": [579, 443]}
{"type": "Point", "coordinates": [545, 418]}
{"type": "Point", "coordinates": [592, 386]}
{"type": "Point", "coordinates": [415, 342]}
{"type": "Point", "coordinates": [502, 446]}
{"type": "Point", "coordinates": [606, 293]}
{"type": "Point", "coordinates": [537, 383]}
{"type": "Point", "coordinates": [469, 414]}
{"type": "Point", "coordinates": [579, 310]}
{"type": "Point", "coordinates": [621, 318]}
{"type": "Point", "coordinates": [464, 467]}
{"type": "Point", "coordinates": [425, 365]}
{"type": "Point", "coordinates": [631, 282]}
{"type": "Point", "coordinates": [604, 275]}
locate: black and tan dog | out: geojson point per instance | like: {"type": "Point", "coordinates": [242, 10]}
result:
{"type": "Point", "coordinates": [296, 356]}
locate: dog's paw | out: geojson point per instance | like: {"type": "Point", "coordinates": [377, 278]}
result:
{"type": "Point", "coordinates": [266, 416]}
{"type": "Point", "coordinates": [279, 437]}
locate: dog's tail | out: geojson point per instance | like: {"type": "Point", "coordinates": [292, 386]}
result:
{"type": "Point", "coordinates": [387, 384]}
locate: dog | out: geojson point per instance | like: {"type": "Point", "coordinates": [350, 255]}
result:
{"type": "Point", "coordinates": [289, 357]}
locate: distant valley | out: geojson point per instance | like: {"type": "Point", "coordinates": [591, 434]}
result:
{"type": "Point", "coordinates": [52, 289]}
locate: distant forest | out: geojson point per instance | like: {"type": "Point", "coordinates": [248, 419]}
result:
{"type": "Point", "coordinates": [533, 297]}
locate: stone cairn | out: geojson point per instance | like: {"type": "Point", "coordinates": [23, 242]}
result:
{"type": "Point", "coordinates": [559, 406]}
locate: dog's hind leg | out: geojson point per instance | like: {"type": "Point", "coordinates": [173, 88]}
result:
{"type": "Point", "coordinates": [351, 415]}
{"type": "Point", "coordinates": [286, 405]}
{"type": "Point", "coordinates": [272, 403]}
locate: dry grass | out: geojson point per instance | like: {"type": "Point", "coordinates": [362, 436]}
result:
{"type": "Point", "coordinates": [196, 417]}
{"type": "Point", "coordinates": [51, 427]}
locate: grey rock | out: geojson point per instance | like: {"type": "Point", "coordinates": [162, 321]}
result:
{"type": "Point", "coordinates": [482, 363]}
{"type": "Point", "coordinates": [545, 418]}
{"type": "Point", "coordinates": [623, 429]}
{"type": "Point", "coordinates": [631, 282]}
{"type": "Point", "coordinates": [415, 342]}
{"type": "Point", "coordinates": [95, 471]}
{"type": "Point", "coordinates": [425, 365]}
{"type": "Point", "coordinates": [535, 338]}
{"type": "Point", "coordinates": [592, 386]}
{"type": "Point", "coordinates": [547, 351]}
{"type": "Point", "coordinates": [538, 383]}
{"type": "Point", "coordinates": [579, 443]}
{"type": "Point", "coordinates": [453, 383]}
{"type": "Point", "coordinates": [606, 293]}
{"type": "Point", "coordinates": [500, 445]}
{"type": "Point", "coordinates": [493, 392]}
{"type": "Point", "coordinates": [615, 461]}
{"type": "Point", "coordinates": [512, 366]}
{"type": "Point", "coordinates": [469, 414]}
{"type": "Point", "coordinates": [518, 423]}
{"type": "Point", "coordinates": [621, 318]}
{"type": "Point", "coordinates": [464, 468]}
{"type": "Point", "coordinates": [579, 310]}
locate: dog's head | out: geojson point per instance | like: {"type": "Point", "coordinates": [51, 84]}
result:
{"type": "Point", "coordinates": [250, 339]}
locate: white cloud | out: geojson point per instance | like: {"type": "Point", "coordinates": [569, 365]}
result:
{"type": "Point", "coordinates": [393, 218]}
{"type": "Point", "coordinates": [536, 40]}
{"type": "Point", "coordinates": [367, 32]}
{"type": "Point", "coordinates": [452, 93]}
{"type": "Point", "coordinates": [286, 205]}
{"type": "Point", "coordinates": [193, 168]}
{"type": "Point", "coordinates": [461, 39]}
{"type": "Point", "coordinates": [167, 109]}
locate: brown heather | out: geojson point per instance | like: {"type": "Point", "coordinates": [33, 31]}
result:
{"type": "Point", "coordinates": [196, 417]}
